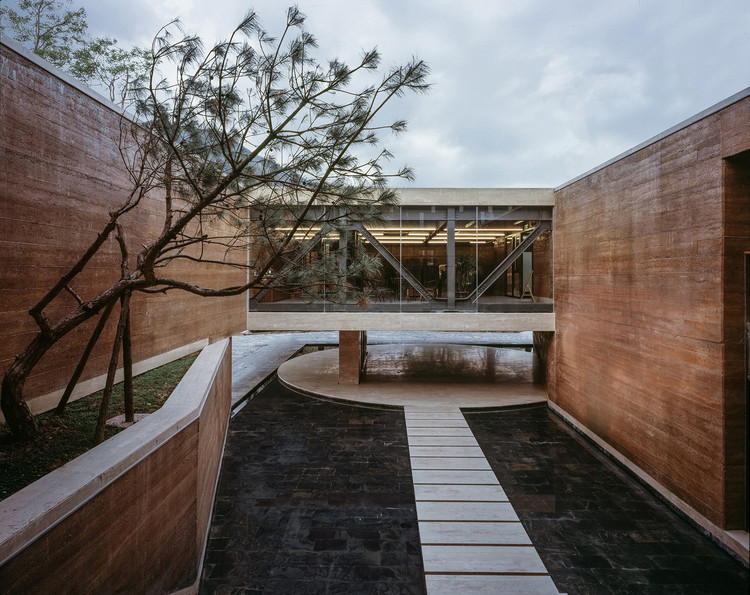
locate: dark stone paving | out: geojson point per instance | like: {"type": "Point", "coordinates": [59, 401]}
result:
{"type": "Point", "coordinates": [596, 529]}
{"type": "Point", "coordinates": [314, 497]}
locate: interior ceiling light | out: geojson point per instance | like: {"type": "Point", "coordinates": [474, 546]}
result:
{"type": "Point", "coordinates": [425, 230]}
{"type": "Point", "coordinates": [469, 232]}
{"type": "Point", "coordinates": [470, 235]}
{"type": "Point", "coordinates": [396, 227]}
{"type": "Point", "coordinates": [432, 242]}
{"type": "Point", "coordinates": [397, 241]}
{"type": "Point", "coordinates": [416, 237]}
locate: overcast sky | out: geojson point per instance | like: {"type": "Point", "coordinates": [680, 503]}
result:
{"type": "Point", "coordinates": [526, 92]}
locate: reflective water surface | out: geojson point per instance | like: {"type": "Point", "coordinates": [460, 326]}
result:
{"type": "Point", "coordinates": [453, 363]}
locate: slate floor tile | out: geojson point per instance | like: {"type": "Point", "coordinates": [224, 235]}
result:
{"type": "Point", "coordinates": [602, 531]}
{"type": "Point", "coordinates": [317, 497]}
{"type": "Point", "coordinates": [314, 497]}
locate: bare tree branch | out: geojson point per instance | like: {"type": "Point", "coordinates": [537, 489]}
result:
{"type": "Point", "coordinates": [249, 144]}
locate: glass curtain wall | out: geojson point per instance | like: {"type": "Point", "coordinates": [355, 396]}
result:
{"type": "Point", "coordinates": [419, 259]}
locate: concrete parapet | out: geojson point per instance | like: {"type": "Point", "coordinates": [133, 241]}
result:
{"type": "Point", "coordinates": [528, 197]}
{"type": "Point", "coordinates": [394, 321]}
{"type": "Point", "coordinates": [49, 401]}
{"type": "Point", "coordinates": [132, 514]}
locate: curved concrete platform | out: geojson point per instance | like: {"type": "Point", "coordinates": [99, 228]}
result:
{"type": "Point", "coordinates": [467, 376]}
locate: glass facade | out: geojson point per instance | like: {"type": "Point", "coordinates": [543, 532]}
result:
{"type": "Point", "coordinates": [419, 259]}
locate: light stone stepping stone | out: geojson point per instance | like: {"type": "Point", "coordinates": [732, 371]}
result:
{"type": "Point", "coordinates": [444, 407]}
{"type": "Point", "coordinates": [491, 559]}
{"type": "Point", "coordinates": [453, 477]}
{"type": "Point", "coordinates": [412, 415]}
{"type": "Point", "coordinates": [466, 432]}
{"type": "Point", "coordinates": [460, 493]}
{"type": "Point", "coordinates": [472, 540]}
{"type": "Point", "coordinates": [469, 533]}
{"type": "Point", "coordinates": [436, 423]}
{"type": "Point", "coordinates": [446, 451]}
{"type": "Point", "coordinates": [450, 463]}
{"type": "Point", "coordinates": [466, 511]}
{"type": "Point", "coordinates": [489, 585]}
{"type": "Point", "coordinates": [443, 441]}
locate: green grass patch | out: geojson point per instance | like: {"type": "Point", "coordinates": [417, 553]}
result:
{"type": "Point", "coordinates": [64, 437]}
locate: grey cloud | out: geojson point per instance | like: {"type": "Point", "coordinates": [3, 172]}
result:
{"type": "Point", "coordinates": [526, 93]}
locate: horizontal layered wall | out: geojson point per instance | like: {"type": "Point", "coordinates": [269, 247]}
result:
{"type": "Point", "coordinates": [61, 174]}
{"type": "Point", "coordinates": [649, 302]}
{"type": "Point", "coordinates": [131, 515]}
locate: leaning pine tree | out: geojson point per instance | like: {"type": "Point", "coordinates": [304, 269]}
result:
{"type": "Point", "coordinates": [253, 138]}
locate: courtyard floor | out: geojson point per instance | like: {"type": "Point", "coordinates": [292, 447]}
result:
{"type": "Point", "coordinates": [318, 496]}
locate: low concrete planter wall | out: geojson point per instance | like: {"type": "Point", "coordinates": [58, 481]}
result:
{"type": "Point", "coordinates": [132, 514]}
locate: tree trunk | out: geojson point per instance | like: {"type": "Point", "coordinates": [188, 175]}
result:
{"type": "Point", "coordinates": [127, 365]}
{"type": "Point", "coordinates": [20, 421]}
{"type": "Point", "coordinates": [84, 358]}
{"type": "Point", "coordinates": [17, 413]}
{"type": "Point", "coordinates": [107, 395]}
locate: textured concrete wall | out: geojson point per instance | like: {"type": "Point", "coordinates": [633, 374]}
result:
{"type": "Point", "coordinates": [736, 243]}
{"type": "Point", "coordinates": [648, 345]}
{"type": "Point", "coordinates": [543, 197]}
{"type": "Point", "coordinates": [60, 175]}
{"type": "Point", "coordinates": [352, 348]}
{"type": "Point", "coordinates": [543, 278]}
{"type": "Point", "coordinates": [469, 322]}
{"type": "Point", "coordinates": [131, 515]}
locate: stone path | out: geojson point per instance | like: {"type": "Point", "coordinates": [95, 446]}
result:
{"type": "Point", "coordinates": [472, 540]}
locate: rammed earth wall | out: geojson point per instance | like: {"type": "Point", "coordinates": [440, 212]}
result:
{"type": "Point", "coordinates": [60, 174]}
{"type": "Point", "coordinates": [649, 304]}
{"type": "Point", "coordinates": [131, 515]}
